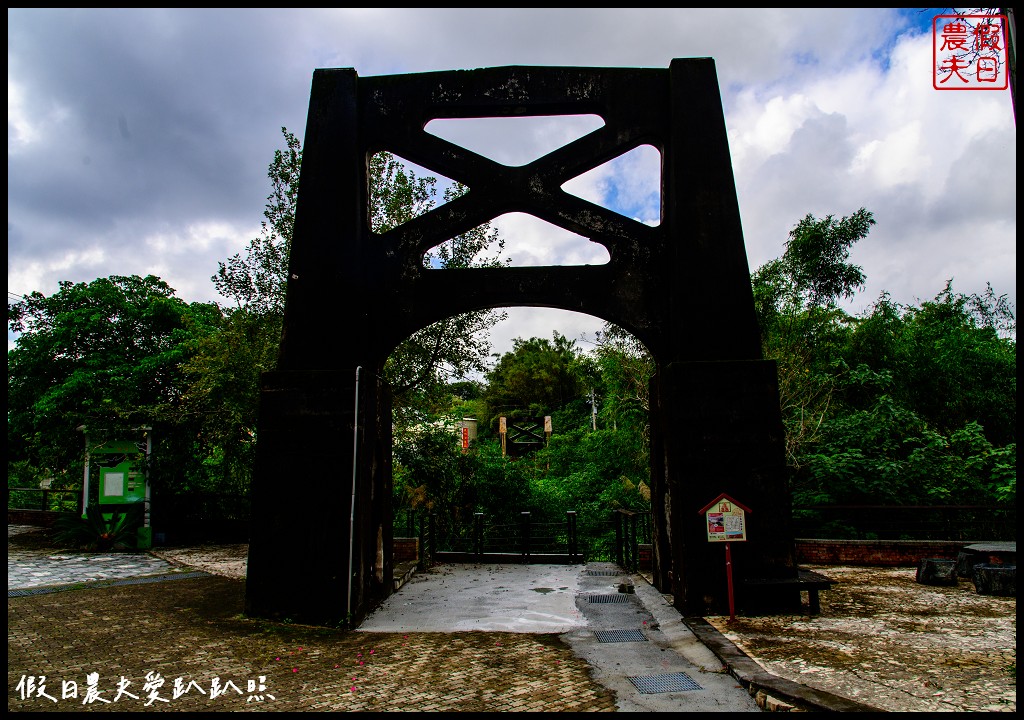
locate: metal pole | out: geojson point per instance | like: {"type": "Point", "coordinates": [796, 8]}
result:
{"type": "Point", "coordinates": [85, 475]}
{"type": "Point", "coordinates": [149, 451]}
{"type": "Point", "coordinates": [618, 538]}
{"type": "Point", "coordinates": [478, 531]}
{"type": "Point", "coordinates": [570, 522]}
{"type": "Point", "coordinates": [352, 509]}
{"type": "Point", "coordinates": [525, 534]}
{"type": "Point", "coordinates": [728, 574]}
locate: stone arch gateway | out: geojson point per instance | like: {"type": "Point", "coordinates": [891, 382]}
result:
{"type": "Point", "coordinates": [320, 541]}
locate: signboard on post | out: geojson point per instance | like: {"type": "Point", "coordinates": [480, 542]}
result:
{"type": "Point", "coordinates": [726, 522]}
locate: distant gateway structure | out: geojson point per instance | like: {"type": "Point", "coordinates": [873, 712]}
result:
{"type": "Point", "coordinates": [321, 540]}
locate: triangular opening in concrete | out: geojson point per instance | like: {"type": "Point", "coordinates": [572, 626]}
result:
{"type": "Point", "coordinates": [514, 141]}
{"type": "Point", "coordinates": [630, 185]}
{"type": "Point", "coordinates": [528, 242]}
{"type": "Point", "coordinates": [412, 191]}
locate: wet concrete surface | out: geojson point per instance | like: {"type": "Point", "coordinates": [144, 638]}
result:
{"type": "Point", "coordinates": [614, 632]}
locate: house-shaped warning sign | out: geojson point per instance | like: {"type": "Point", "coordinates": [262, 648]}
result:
{"type": "Point", "coordinates": [726, 519]}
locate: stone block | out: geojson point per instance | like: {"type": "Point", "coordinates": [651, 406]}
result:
{"type": "Point", "coordinates": [992, 579]}
{"type": "Point", "coordinates": [936, 571]}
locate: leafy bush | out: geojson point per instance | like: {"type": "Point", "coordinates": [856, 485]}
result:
{"type": "Point", "coordinates": [95, 533]}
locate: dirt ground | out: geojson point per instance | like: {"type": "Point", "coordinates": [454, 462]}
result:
{"type": "Point", "coordinates": [888, 641]}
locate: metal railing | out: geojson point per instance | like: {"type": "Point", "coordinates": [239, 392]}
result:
{"type": "Point", "coordinates": [44, 499]}
{"type": "Point", "coordinates": [522, 540]}
{"type": "Point", "coordinates": [632, 529]}
{"type": "Point", "coordinates": [418, 524]}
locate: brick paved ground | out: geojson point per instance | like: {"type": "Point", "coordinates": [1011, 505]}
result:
{"type": "Point", "coordinates": [194, 629]}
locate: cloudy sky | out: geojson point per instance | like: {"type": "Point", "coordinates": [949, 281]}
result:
{"type": "Point", "coordinates": [138, 140]}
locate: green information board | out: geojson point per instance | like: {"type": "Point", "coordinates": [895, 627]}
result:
{"type": "Point", "coordinates": [121, 478]}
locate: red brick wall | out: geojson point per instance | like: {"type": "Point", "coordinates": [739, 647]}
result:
{"type": "Point", "coordinates": [886, 553]}
{"type": "Point", "coordinates": [37, 518]}
{"type": "Point", "coordinates": [644, 559]}
{"type": "Point", "coordinates": [406, 549]}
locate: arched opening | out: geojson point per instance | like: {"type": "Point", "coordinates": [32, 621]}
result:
{"type": "Point", "coordinates": [548, 446]}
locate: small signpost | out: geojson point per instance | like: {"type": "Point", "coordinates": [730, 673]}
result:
{"type": "Point", "coordinates": [726, 522]}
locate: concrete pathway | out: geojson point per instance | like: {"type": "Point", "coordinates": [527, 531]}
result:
{"type": "Point", "coordinates": [635, 641]}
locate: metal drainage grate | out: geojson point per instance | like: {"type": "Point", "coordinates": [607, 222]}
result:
{"type": "Point", "coordinates": [673, 682]}
{"type": "Point", "coordinates": [160, 578]}
{"type": "Point", "coordinates": [616, 598]}
{"type": "Point", "coordinates": [104, 583]}
{"type": "Point", "coordinates": [614, 636]}
{"type": "Point", "coordinates": [603, 573]}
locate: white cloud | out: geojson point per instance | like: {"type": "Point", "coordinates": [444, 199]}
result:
{"type": "Point", "coordinates": [47, 272]}
{"type": "Point", "coordinates": [27, 125]}
{"type": "Point", "coordinates": [530, 241]}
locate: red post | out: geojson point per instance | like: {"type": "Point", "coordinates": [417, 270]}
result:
{"type": "Point", "coordinates": [728, 575]}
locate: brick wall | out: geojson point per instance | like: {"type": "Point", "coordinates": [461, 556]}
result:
{"type": "Point", "coordinates": [406, 549]}
{"type": "Point", "coordinates": [645, 560]}
{"type": "Point", "coordinates": [36, 518]}
{"type": "Point", "coordinates": [885, 553]}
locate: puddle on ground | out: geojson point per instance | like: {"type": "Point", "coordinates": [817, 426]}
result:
{"type": "Point", "coordinates": [543, 590]}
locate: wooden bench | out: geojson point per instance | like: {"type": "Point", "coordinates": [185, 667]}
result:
{"type": "Point", "coordinates": [806, 580]}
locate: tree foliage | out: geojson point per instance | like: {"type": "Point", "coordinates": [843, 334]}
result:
{"type": "Point", "coordinates": [626, 369]}
{"type": "Point", "coordinates": [537, 377]}
{"type": "Point", "coordinates": [903, 404]}
{"type": "Point", "coordinates": [255, 282]}
{"type": "Point", "coordinates": [796, 298]}
{"type": "Point", "coordinates": [110, 355]}
{"type": "Point", "coordinates": [953, 357]}
{"type": "Point", "coordinates": [813, 272]}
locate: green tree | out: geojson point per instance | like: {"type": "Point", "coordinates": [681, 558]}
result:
{"type": "Point", "coordinates": [626, 369]}
{"type": "Point", "coordinates": [225, 372]}
{"type": "Point", "coordinates": [591, 471]}
{"type": "Point", "coordinates": [903, 404]}
{"type": "Point", "coordinates": [796, 298]}
{"type": "Point", "coordinates": [223, 395]}
{"type": "Point", "coordinates": [255, 282]}
{"type": "Point", "coordinates": [922, 407]}
{"type": "Point", "coordinates": [813, 272]}
{"type": "Point", "coordinates": [433, 474]}
{"type": "Point", "coordinates": [537, 377]}
{"type": "Point", "coordinates": [110, 355]}
{"type": "Point", "coordinates": [954, 356]}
